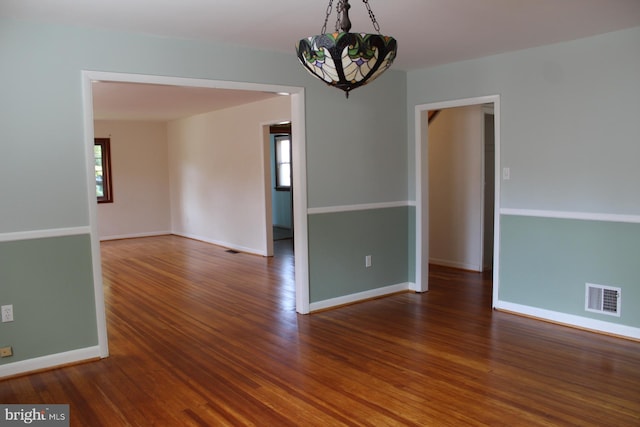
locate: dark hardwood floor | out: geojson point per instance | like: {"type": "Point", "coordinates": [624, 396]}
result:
{"type": "Point", "coordinates": [200, 336]}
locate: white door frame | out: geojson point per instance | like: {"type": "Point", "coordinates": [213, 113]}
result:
{"type": "Point", "coordinates": [299, 177]}
{"type": "Point", "coordinates": [486, 109]}
{"type": "Point", "coordinates": [422, 187]}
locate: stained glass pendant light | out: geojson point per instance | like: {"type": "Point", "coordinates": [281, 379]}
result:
{"type": "Point", "coordinates": [347, 60]}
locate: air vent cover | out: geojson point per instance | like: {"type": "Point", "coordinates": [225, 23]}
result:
{"type": "Point", "coordinates": [603, 299]}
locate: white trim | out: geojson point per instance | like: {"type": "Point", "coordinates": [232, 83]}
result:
{"type": "Point", "coordinates": [187, 81]}
{"type": "Point", "coordinates": [571, 320]}
{"type": "Point", "coordinates": [456, 264]}
{"type": "Point", "coordinates": [49, 361]}
{"type": "Point", "coordinates": [422, 192]}
{"type": "Point", "coordinates": [135, 235]}
{"type": "Point", "coordinates": [300, 221]}
{"type": "Point", "coordinates": [228, 245]}
{"type": "Point", "coordinates": [98, 290]}
{"type": "Point", "coordinates": [464, 102]}
{"type": "Point", "coordinates": [360, 296]}
{"type": "Point", "coordinates": [587, 216]}
{"type": "Point", "coordinates": [361, 207]}
{"type": "Point", "coordinates": [422, 200]}
{"type": "Point", "coordinates": [496, 208]}
{"type": "Point", "coordinates": [44, 234]}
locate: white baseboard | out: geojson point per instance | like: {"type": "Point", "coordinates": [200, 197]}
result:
{"type": "Point", "coordinates": [134, 235]}
{"type": "Point", "coordinates": [223, 244]}
{"type": "Point", "coordinates": [49, 361]}
{"type": "Point", "coordinates": [571, 320]}
{"type": "Point", "coordinates": [360, 296]}
{"type": "Point", "coordinates": [455, 264]}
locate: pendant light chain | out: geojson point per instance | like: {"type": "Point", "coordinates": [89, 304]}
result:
{"type": "Point", "coordinates": [376, 26]}
{"type": "Point", "coordinates": [339, 9]}
{"type": "Point", "coordinates": [324, 27]}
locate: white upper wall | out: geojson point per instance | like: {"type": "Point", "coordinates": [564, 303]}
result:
{"type": "Point", "coordinates": [140, 178]}
{"type": "Point", "coordinates": [455, 188]}
{"type": "Point", "coordinates": [219, 178]}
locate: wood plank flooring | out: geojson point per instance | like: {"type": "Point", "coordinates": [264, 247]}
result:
{"type": "Point", "coordinates": [199, 336]}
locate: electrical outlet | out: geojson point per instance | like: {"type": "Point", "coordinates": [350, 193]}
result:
{"type": "Point", "coordinates": [6, 351]}
{"type": "Point", "coordinates": [7, 313]}
{"type": "Point", "coordinates": [367, 261]}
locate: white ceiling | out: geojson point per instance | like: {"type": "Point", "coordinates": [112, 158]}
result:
{"type": "Point", "coordinates": [133, 101]}
{"type": "Point", "coordinates": [429, 32]}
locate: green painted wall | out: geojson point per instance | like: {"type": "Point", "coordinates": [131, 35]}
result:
{"type": "Point", "coordinates": [569, 127]}
{"type": "Point", "coordinates": [547, 261]}
{"type": "Point", "coordinates": [49, 282]}
{"type": "Point", "coordinates": [358, 153]}
{"type": "Point", "coordinates": [339, 243]}
{"type": "Point", "coordinates": [411, 242]}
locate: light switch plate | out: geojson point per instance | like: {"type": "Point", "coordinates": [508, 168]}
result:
{"type": "Point", "coordinates": [506, 174]}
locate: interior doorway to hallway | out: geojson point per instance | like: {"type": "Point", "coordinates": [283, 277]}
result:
{"type": "Point", "coordinates": [280, 148]}
{"type": "Point", "coordinates": [457, 187]}
{"type": "Point", "coordinates": [461, 187]}
{"type": "Point", "coordinates": [296, 96]}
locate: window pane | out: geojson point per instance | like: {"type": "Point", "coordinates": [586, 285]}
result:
{"type": "Point", "coordinates": [101, 152]}
{"type": "Point", "coordinates": [97, 150]}
{"type": "Point", "coordinates": [284, 175]}
{"type": "Point", "coordinates": [283, 162]}
{"type": "Point", "coordinates": [284, 152]}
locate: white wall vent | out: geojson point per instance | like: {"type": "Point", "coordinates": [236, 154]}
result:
{"type": "Point", "coordinates": [603, 299]}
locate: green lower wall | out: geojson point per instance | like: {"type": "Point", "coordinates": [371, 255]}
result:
{"type": "Point", "coordinates": [545, 263]}
{"type": "Point", "coordinates": [411, 248]}
{"type": "Point", "coordinates": [49, 281]}
{"type": "Point", "coordinates": [339, 242]}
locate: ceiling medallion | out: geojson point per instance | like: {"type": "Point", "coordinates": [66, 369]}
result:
{"type": "Point", "coordinates": [347, 60]}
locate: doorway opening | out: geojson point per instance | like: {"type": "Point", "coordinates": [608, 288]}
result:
{"type": "Point", "coordinates": [298, 174]}
{"type": "Point", "coordinates": [458, 187]}
{"type": "Point", "coordinates": [280, 145]}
